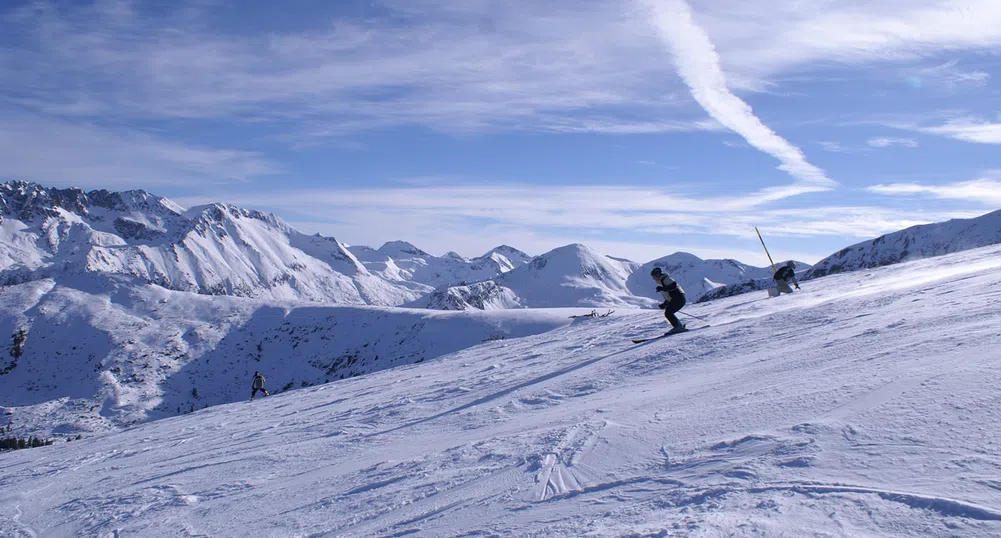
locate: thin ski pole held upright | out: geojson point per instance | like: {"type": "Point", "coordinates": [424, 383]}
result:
{"type": "Point", "coordinates": [766, 249]}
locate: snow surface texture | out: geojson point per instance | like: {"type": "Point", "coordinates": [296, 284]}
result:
{"type": "Point", "coordinates": [135, 353]}
{"type": "Point", "coordinates": [866, 405]}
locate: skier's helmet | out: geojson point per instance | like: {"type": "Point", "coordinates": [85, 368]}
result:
{"type": "Point", "coordinates": [657, 271]}
{"type": "Point", "coordinates": [791, 264]}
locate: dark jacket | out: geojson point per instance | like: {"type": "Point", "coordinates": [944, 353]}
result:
{"type": "Point", "coordinates": [669, 288]}
{"type": "Point", "coordinates": [785, 273]}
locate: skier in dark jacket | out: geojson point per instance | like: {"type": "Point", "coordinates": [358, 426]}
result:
{"type": "Point", "coordinates": [258, 385]}
{"type": "Point", "coordinates": [786, 275]}
{"type": "Point", "coordinates": [674, 298]}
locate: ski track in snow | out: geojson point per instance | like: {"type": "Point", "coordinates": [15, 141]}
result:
{"type": "Point", "coordinates": [866, 404]}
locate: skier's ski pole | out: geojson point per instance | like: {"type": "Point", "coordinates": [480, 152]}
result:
{"type": "Point", "coordinates": [766, 249]}
{"type": "Point", "coordinates": [691, 316]}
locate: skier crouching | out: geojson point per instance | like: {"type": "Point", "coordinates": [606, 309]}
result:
{"type": "Point", "coordinates": [674, 298]}
{"type": "Point", "coordinates": [786, 275]}
{"type": "Point", "coordinates": [258, 385]}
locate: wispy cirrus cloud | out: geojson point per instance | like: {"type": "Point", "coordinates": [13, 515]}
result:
{"type": "Point", "coordinates": [63, 152]}
{"type": "Point", "coordinates": [758, 39]}
{"type": "Point", "coordinates": [886, 141]}
{"type": "Point", "coordinates": [457, 66]}
{"type": "Point", "coordinates": [699, 66]}
{"type": "Point", "coordinates": [528, 215]}
{"type": "Point", "coordinates": [948, 75]}
{"type": "Point", "coordinates": [986, 191]}
{"type": "Point", "coordinates": [556, 67]}
{"type": "Point", "coordinates": [968, 130]}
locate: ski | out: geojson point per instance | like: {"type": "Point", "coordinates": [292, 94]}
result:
{"type": "Point", "coordinates": [665, 335]}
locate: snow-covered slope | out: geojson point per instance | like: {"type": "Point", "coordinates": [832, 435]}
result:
{"type": "Point", "coordinates": [217, 249]}
{"type": "Point", "coordinates": [913, 243]}
{"type": "Point", "coordinates": [574, 275]}
{"type": "Point", "coordinates": [832, 412]}
{"type": "Point", "coordinates": [102, 354]}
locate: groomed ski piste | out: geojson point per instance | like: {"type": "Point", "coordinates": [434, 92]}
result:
{"type": "Point", "coordinates": [865, 405]}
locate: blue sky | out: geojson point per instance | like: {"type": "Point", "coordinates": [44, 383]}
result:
{"type": "Point", "coordinates": [639, 127]}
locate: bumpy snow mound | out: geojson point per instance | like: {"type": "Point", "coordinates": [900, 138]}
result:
{"type": "Point", "coordinates": [914, 243]}
{"type": "Point", "coordinates": [217, 249]}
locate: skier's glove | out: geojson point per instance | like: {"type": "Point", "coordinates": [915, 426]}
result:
{"type": "Point", "coordinates": [663, 306]}
{"type": "Point", "coordinates": [660, 288]}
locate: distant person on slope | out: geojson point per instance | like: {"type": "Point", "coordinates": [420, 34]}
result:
{"type": "Point", "coordinates": [258, 385]}
{"type": "Point", "coordinates": [674, 298]}
{"type": "Point", "coordinates": [786, 275]}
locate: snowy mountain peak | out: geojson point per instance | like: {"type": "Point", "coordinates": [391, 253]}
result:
{"type": "Point", "coordinates": [573, 259]}
{"type": "Point", "coordinates": [221, 212]}
{"type": "Point", "coordinates": [505, 258]}
{"type": "Point", "coordinates": [680, 258]}
{"type": "Point", "coordinates": [572, 275]}
{"type": "Point", "coordinates": [401, 247]}
{"type": "Point", "coordinates": [914, 243]}
{"type": "Point", "coordinates": [27, 201]}
{"type": "Point", "coordinates": [509, 252]}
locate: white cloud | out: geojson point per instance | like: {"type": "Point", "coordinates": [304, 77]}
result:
{"type": "Point", "coordinates": [968, 130]}
{"type": "Point", "coordinates": [948, 75]}
{"type": "Point", "coordinates": [558, 66]}
{"type": "Point", "coordinates": [885, 142]}
{"type": "Point", "coordinates": [79, 153]}
{"type": "Point", "coordinates": [758, 39]}
{"type": "Point", "coordinates": [471, 219]}
{"type": "Point", "coordinates": [834, 147]}
{"type": "Point", "coordinates": [453, 67]}
{"type": "Point", "coordinates": [699, 66]}
{"type": "Point", "coordinates": [986, 191]}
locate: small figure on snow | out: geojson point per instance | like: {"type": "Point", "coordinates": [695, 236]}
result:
{"type": "Point", "coordinates": [258, 385]}
{"type": "Point", "coordinates": [786, 275]}
{"type": "Point", "coordinates": [674, 298]}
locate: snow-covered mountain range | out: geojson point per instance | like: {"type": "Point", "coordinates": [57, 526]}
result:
{"type": "Point", "coordinates": [580, 276]}
{"type": "Point", "coordinates": [913, 243]}
{"type": "Point", "coordinates": [220, 249]}
{"type": "Point", "coordinates": [916, 242]}
{"type": "Point", "coordinates": [217, 249]}
{"type": "Point", "coordinates": [831, 412]}
{"type": "Point", "coordinates": [571, 275]}
{"type": "Point", "coordinates": [130, 307]}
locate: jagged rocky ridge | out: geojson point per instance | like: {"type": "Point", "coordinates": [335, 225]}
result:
{"type": "Point", "coordinates": [217, 249]}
